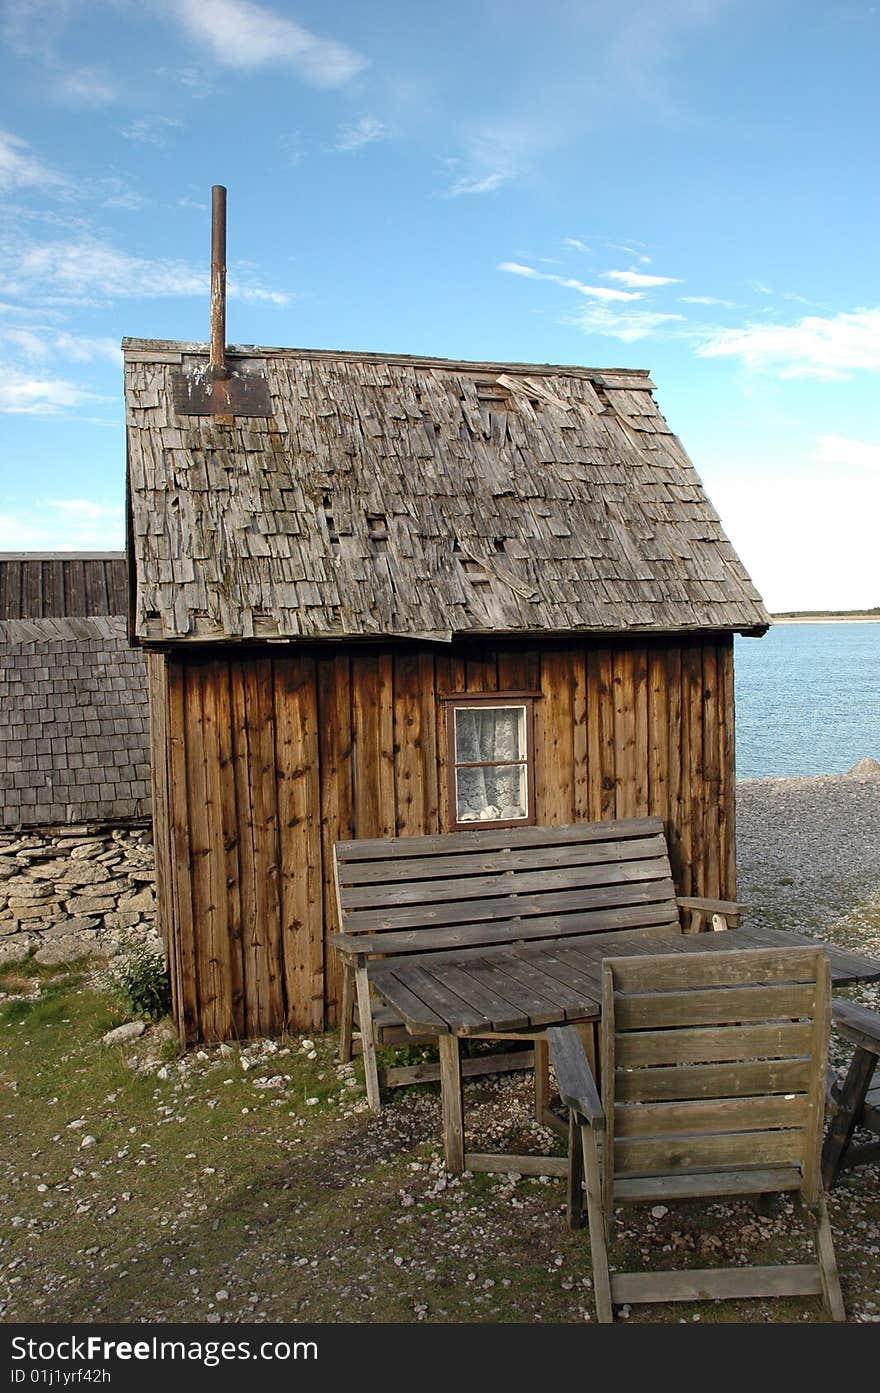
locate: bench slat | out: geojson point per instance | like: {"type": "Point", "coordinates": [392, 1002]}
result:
{"type": "Point", "coordinates": [448, 843]}
{"type": "Point", "coordinates": [434, 915]}
{"type": "Point", "coordinates": [479, 861]}
{"type": "Point", "coordinates": [505, 882]}
{"type": "Point", "coordinates": [417, 940]}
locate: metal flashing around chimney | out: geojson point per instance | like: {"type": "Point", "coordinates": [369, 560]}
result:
{"type": "Point", "coordinates": [214, 388]}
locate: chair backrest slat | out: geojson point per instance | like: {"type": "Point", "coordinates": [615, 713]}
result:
{"type": "Point", "coordinates": [715, 1059]}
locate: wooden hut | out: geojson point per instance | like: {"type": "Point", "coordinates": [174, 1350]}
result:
{"type": "Point", "coordinates": [413, 595]}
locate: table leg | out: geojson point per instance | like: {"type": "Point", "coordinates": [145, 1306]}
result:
{"type": "Point", "coordinates": [453, 1109]}
{"type": "Point", "coordinates": [850, 1102]}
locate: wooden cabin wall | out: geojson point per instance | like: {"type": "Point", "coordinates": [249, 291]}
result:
{"type": "Point", "coordinates": [264, 758]}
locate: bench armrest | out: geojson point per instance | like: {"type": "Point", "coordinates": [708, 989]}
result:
{"type": "Point", "coordinates": [577, 1087]}
{"type": "Point", "coordinates": [346, 943]}
{"type": "Point", "coordinates": [857, 1024]}
{"type": "Point", "coordinates": [703, 911]}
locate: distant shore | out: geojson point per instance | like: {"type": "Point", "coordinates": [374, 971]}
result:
{"type": "Point", "coordinates": [868, 618]}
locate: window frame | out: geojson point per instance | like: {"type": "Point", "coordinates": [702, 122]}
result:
{"type": "Point", "coordinates": [463, 700]}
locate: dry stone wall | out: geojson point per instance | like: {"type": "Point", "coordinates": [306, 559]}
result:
{"type": "Point", "coordinates": [75, 892]}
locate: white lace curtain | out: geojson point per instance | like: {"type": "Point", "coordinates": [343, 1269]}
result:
{"type": "Point", "coordinates": [484, 734]}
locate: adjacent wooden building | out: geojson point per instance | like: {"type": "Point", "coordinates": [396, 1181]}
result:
{"type": "Point", "coordinates": [420, 594]}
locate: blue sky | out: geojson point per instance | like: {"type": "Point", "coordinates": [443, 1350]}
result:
{"type": "Point", "coordinates": [688, 186]}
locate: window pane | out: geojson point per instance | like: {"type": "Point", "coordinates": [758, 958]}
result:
{"type": "Point", "coordinates": [489, 732]}
{"type": "Point", "coordinates": [491, 795]}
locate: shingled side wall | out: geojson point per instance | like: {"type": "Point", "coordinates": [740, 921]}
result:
{"type": "Point", "coordinates": [74, 740]}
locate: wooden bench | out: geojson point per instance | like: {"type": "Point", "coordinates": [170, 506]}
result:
{"type": "Point", "coordinates": [469, 890]}
{"type": "Point", "coordinates": [857, 1102]}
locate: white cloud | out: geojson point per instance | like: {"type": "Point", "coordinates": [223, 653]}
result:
{"type": "Point", "coordinates": [843, 452]}
{"type": "Point", "coordinates": [117, 194]}
{"type": "Point", "coordinates": [64, 524]}
{"type": "Point", "coordinates": [150, 130]}
{"type": "Point", "coordinates": [190, 78]}
{"type": "Point", "coordinates": [20, 169]}
{"type": "Point", "coordinates": [593, 292]}
{"type": "Point", "coordinates": [360, 133]}
{"type": "Point", "coordinates": [628, 325]}
{"type": "Point", "coordinates": [709, 300]}
{"type": "Point", "coordinates": [487, 183]}
{"type": "Point", "coordinates": [89, 87]}
{"type": "Point", "coordinates": [22, 394]}
{"type": "Point", "coordinates": [639, 278]}
{"type": "Point", "coordinates": [245, 35]}
{"type": "Point", "coordinates": [812, 542]}
{"type": "Point", "coordinates": [829, 347]}
{"type": "Point", "coordinates": [82, 271]}
{"type": "Point", "coordinates": [575, 243]}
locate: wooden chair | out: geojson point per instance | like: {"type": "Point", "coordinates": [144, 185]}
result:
{"type": "Point", "coordinates": [402, 895]}
{"type": "Point", "coordinates": [713, 1070]}
{"type": "Point", "coordinates": [857, 1102]}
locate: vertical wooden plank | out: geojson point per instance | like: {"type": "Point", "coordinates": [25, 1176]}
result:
{"type": "Point", "coordinates": [184, 958]}
{"type": "Point", "coordinates": [519, 669]}
{"type": "Point", "coordinates": [228, 851]}
{"type": "Point", "coordinates": [261, 717]}
{"type": "Point", "coordinates": [204, 910]}
{"type": "Point", "coordinates": [481, 669]}
{"type": "Point", "coordinates": [373, 719]}
{"type": "Point", "coordinates": [253, 745]}
{"type": "Point", "coordinates": [213, 920]}
{"type": "Point", "coordinates": [337, 818]}
{"type": "Point", "coordinates": [812, 1176]}
{"type": "Point", "coordinates": [430, 729]}
{"type": "Point", "coordinates": [157, 705]}
{"type": "Point", "coordinates": [624, 733]}
{"type": "Point", "coordinates": [658, 734]}
{"type": "Point", "coordinates": [600, 734]}
{"type": "Point", "coordinates": [449, 671]}
{"type": "Point", "coordinates": [639, 660]}
{"type": "Point", "coordinates": [711, 774]}
{"type": "Point", "coordinates": [554, 739]}
{"type": "Point", "coordinates": [692, 766]}
{"type": "Point", "coordinates": [299, 796]}
{"type": "Point", "coordinates": [727, 790]}
{"type": "Point", "coordinates": [408, 761]}
{"type": "Point", "coordinates": [580, 770]}
{"type": "Point", "coordinates": [677, 831]}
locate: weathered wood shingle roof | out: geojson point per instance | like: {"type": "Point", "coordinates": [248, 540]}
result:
{"type": "Point", "coordinates": [415, 496]}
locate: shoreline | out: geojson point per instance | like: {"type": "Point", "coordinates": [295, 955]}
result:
{"type": "Point", "coordinates": [825, 619]}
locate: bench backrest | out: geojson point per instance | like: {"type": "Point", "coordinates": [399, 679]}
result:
{"type": "Point", "coordinates": [415, 894]}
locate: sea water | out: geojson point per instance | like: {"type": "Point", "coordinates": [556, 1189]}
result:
{"type": "Point", "coordinates": [807, 699]}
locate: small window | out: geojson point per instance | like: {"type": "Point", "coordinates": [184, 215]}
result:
{"type": "Point", "coordinates": [491, 770]}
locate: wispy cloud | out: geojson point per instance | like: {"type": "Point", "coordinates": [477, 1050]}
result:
{"type": "Point", "coordinates": [628, 325]}
{"type": "Point", "coordinates": [244, 35]}
{"type": "Point", "coordinates": [19, 169]}
{"type": "Point", "coordinates": [829, 347]}
{"type": "Point", "coordinates": [88, 269]}
{"type": "Point", "coordinates": [640, 279]}
{"type": "Point", "coordinates": [593, 292]}
{"type": "Point", "coordinates": [467, 184]}
{"type": "Point", "coordinates": [190, 78]}
{"type": "Point", "coordinates": [709, 300]}
{"type": "Point", "coordinates": [575, 243]}
{"type": "Point", "coordinates": [24, 394]}
{"type": "Point", "coordinates": [118, 194]}
{"type": "Point", "coordinates": [151, 130]}
{"type": "Point", "coordinates": [354, 136]}
{"type": "Point", "coordinates": [89, 87]}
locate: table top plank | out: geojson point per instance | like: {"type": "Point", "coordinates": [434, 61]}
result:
{"type": "Point", "coordinates": [515, 986]}
{"type": "Point", "coordinates": [521, 992]}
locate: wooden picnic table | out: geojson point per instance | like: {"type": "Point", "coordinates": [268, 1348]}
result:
{"type": "Point", "coordinates": [499, 992]}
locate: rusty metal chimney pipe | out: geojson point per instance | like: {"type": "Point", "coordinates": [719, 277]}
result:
{"type": "Point", "coordinates": [218, 280]}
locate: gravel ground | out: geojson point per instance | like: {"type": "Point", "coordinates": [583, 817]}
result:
{"type": "Point", "coordinates": [809, 850]}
